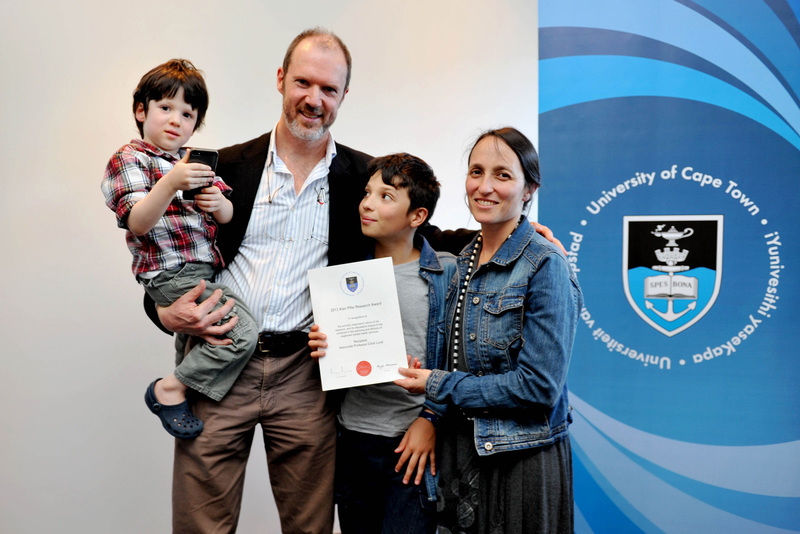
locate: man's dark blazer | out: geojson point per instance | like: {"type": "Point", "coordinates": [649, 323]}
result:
{"type": "Point", "coordinates": [242, 166]}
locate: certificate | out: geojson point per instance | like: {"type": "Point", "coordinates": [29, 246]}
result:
{"type": "Point", "coordinates": [355, 305]}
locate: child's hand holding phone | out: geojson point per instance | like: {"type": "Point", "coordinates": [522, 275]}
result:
{"type": "Point", "coordinates": [205, 156]}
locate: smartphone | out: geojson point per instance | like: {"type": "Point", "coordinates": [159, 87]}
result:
{"type": "Point", "coordinates": [201, 155]}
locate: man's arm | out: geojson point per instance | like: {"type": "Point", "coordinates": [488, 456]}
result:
{"type": "Point", "coordinates": [454, 241]}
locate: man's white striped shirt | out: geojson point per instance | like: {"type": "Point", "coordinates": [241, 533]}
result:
{"type": "Point", "coordinates": [287, 235]}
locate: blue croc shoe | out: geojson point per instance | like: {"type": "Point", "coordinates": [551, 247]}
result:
{"type": "Point", "coordinates": [177, 419]}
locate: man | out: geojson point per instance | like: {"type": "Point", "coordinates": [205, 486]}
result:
{"type": "Point", "coordinates": [296, 196]}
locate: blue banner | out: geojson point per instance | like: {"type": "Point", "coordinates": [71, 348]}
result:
{"type": "Point", "coordinates": [670, 155]}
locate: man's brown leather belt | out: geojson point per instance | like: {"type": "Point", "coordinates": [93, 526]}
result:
{"type": "Point", "coordinates": [280, 345]}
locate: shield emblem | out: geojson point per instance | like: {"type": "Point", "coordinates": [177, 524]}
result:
{"type": "Point", "coordinates": [672, 268]}
{"type": "Point", "coordinates": [352, 283]}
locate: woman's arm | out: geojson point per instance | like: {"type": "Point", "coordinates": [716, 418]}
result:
{"type": "Point", "coordinates": [550, 317]}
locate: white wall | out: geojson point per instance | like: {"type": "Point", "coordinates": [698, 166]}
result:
{"type": "Point", "coordinates": [79, 452]}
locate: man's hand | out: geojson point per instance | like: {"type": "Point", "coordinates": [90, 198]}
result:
{"type": "Point", "coordinates": [186, 316]}
{"type": "Point", "coordinates": [316, 341]}
{"type": "Point", "coordinates": [417, 446]}
{"type": "Point", "coordinates": [547, 233]}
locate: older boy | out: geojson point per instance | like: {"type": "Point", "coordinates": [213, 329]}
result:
{"type": "Point", "coordinates": [172, 238]}
{"type": "Point", "coordinates": [381, 426]}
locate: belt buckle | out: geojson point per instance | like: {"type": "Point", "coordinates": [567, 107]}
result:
{"type": "Point", "coordinates": [261, 342]}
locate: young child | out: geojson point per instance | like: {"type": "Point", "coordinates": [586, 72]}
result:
{"type": "Point", "coordinates": [172, 238]}
{"type": "Point", "coordinates": [382, 426]}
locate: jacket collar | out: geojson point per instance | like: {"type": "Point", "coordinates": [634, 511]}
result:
{"type": "Point", "coordinates": [512, 248]}
{"type": "Point", "coordinates": [428, 259]}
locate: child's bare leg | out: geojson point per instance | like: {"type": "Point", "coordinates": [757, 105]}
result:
{"type": "Point", "coordinates": [170, 391]}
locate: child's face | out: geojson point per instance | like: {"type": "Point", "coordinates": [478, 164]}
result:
{"type": "Point", "coordinates": [167, 123]}
{"type": "Point", "coordinates": [384, 210]}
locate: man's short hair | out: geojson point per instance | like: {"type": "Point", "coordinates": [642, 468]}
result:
{"type": "Point", "coordinates": [406, 171]}
{"type": "Point", "coordinates": [165, 80]}
{"type": "Point", "coordinates": [325, 38]}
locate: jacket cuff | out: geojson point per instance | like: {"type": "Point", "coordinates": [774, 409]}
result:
{"type": "Point", "coordinates": [433, 383]}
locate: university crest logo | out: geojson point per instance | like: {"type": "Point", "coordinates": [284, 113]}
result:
{"type": "Point", "coordinates": [672, 268]}
{"type": "Point", "coordinates": [352, 283]}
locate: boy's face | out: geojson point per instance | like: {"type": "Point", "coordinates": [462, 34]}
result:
{"type": "Point", "coordinates": [384, 211]}
{"type": "Point", "coordinates": [167, 123]}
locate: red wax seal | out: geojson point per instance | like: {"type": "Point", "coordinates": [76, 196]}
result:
{"type": "Point", "coordinates": [363, 368]}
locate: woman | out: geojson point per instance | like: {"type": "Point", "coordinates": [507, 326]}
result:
{"type": "Point", "coordinates": [506, 460]}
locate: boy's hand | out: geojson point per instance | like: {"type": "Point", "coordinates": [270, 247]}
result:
{"type": "Point", "coordinates": [210, 199]}
{"type": "Point", "coordinates": [547, 233]}
{"type": "Point", "coordinates": [413, 363]}
{"type": "Point", "coordinates": [186, 175]}
{"type": "Point", "coordinates": [316, 341]}
{"type": "Point", "coordinates": [417, 446]}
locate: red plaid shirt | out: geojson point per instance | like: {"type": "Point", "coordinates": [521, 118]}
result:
{"type": "Point", "coordinates": [184, 233]}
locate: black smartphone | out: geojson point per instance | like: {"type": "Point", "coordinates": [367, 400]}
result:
{"type": "Point", "coordinates": [206, 156]}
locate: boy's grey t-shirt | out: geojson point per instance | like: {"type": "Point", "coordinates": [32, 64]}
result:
{"type": "Point", "coordinates": [387, 409]}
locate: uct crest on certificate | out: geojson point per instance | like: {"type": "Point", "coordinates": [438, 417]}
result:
{"type": "Point", "coordinates": [356, 306]}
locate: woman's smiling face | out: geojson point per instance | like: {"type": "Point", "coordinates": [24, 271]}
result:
{"type": "Point", "coordinates": [496, 187]}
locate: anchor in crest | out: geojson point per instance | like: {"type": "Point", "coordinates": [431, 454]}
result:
{"type": "Point", "coordinates": [671, 286]}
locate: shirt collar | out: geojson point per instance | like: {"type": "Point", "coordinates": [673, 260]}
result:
{"type": "Point", "coordinates": [330, 150]}
{"type": "Point", "coordinates": [153, 150]}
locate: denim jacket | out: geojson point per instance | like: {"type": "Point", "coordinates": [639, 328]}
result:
{"type": "Point", "coordinates": [521, 313]}
{"type": "Point", "coordinates": [439, 270]}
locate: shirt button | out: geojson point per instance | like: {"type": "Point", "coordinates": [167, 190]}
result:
{"type": "Point", "coordinates": [488, 446]}
{"type": "Point", "coordinates": [476, 300]}
{"type": "Point", "coordinates": [479, 373]}
{"type": "Point", "coordinates": [472, 336]}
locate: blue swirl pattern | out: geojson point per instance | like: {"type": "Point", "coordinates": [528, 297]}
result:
{"type": "Point", "coordinates": [762, 94]}
{"type": "Point", "coordinates": [741, 57]}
